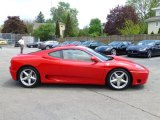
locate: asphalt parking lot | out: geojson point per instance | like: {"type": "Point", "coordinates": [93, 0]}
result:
{"type": "Point", "coordinates": [78, 102]}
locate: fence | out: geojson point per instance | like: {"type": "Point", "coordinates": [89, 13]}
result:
{"type": "Point", "coordinates": [107, 39]}
{"type": "Point", "coordinates": [12, 38]}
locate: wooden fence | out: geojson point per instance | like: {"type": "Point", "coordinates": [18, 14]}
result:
{"type": "Point", "coordinates": [108, 39]}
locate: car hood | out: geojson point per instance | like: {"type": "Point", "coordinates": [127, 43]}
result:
{"type": "Point", "coordinates": [118, 58]}
{"type": "Point", "coordinates": [137, 47]}
{"type": "Point", "coordinates": [125, 63]}
{"type": "Point", "coordinates": [103, 48]}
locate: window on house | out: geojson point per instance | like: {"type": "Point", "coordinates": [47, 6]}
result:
{"type": "Point", "coordinates": [156, 23]}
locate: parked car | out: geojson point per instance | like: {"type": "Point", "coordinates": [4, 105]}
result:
{"type": "Point", "coordinates": [16, 44]}
{"type": "Point", "coordinates": [48, 45]}
{"type": "Point", "coordinates": [33, 45]}
{"type": "Point", "coordinates": [3, 42]}
{"type": "Point", "coordinates": [145, 48]}
{"type": "Point", "coordinates": [76, 65]}
{"type": "Point", "coordinates": [92, 44]}
{"type": "Point", "coordinates": [71, 43]}
{"type": "Point", "coordinates": [114, 48]}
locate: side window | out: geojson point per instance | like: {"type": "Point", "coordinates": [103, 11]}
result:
{"type": "Point", "coordinates": [76, 55]}
{"type": "Point", "coordinates": [157, 43]}
{"type": "Point", "coordinates": [56, 54]}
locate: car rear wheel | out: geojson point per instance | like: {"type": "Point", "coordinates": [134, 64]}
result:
{"type": "Point", "coordinates": [47, 47]}
{"type": "Point", "coordinates": [113, 52]}
{"type": "Point", "coordinates": [28, 77]}
{"type": "Point", "coordinates": [149, 54]}
{"type": "Point", "coordinates": [119, 79]}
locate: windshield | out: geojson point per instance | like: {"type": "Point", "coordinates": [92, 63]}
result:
{"type": "Point", "coordinates": [87, 43]}
{"type": "Point", "coordinates": [101, 56]}
{"type": "Point", "coordinates": [115, 43]}
{"type": "Point", "coordinates": [146, 42]}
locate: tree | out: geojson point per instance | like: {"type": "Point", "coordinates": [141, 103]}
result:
{"type": "Point", "coordinates": [61, 12]}
{"type": "Point", "coordinates": [69, 27]}
{"type": "Point", "coordinates": [133, 29]}
{"type": "Point", "coordinates": [1, 28]}
{"type": "Point", "coordinates": [144, 7]}
{"type": "Point", "coordinates": [29, 25]}
{"type": "Point", "coordinates": [14, 25]}
{"type": "Point", "coordinates": [40, 18]}
{"type": "Point", "coordinates": [57, 33]}
{"type": "Point", "coordinates": [84, 31]}
{"type": "Point", "coordinates": [159, 31]}
{"type": "Point", "coordinates": [95, 27]}
{"type": "Point", "coordinates": [44, 32]}
{"type": "Point", "coordinates": [117, 17]}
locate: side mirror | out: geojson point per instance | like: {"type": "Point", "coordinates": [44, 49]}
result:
{"type": "Point", "coordinates": [94, 59]}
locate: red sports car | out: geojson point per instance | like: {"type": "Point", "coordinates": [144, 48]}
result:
{"type": "Point", "coordinates": [76, 65]}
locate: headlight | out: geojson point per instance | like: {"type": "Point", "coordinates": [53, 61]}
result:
{"type": "Point", "coordinates": [142, 49]}
{"type": "Point", "coordinates": [140, 67]}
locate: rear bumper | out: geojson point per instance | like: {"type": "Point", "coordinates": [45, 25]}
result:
{"type": "Point", "coordinates": [139, 77]}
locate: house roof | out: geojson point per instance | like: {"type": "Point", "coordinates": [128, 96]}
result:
{"type": "Point", "coordinates": [152, 19]}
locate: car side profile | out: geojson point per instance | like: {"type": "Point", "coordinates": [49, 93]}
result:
{"type": "Point", "coordinates": [92, 44]}
{"type": "Point", "coordinates": [3, 42]}
{"type": "Point", "coordinates": [48, 45]}
{"type": "Point", "coordinates": [114, 48]}
{"type": "Point", "coordinates": [145, 48]}
{"type": "Point", "coordinates": [76, 65]}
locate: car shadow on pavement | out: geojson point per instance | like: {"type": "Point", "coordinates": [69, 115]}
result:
{"type": "Point", "coordinates": [15, 84]}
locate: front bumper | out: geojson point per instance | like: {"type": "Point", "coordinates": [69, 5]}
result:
{"type": "Point", "coordinates": [137, 53]}
{"type": "Point", "coordinates": [139, 77]}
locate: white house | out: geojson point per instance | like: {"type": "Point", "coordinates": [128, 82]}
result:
{"type": "Point", "coordinates": [62, 29]}
{"type": "Point", "coordinates": [154, 22]}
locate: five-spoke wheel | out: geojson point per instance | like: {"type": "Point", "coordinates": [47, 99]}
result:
{"type": "Point", "coordinates": [149, 54]}
{"type": "Point", "coordinates": [113, 52]}
{"type": "Point", "coordinates": [28, 77]}
{"type": "Point", "coordinates": [119, 79]}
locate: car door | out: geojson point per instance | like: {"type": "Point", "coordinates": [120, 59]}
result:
{"type": "Point", "coordinates": [155, 48]}
{"type": "Point", "coordinates": [157, 45]}
{"type": "Point", "coordinates": [51, 67]}
{"type": "Point", "coordinates": [77, 67]}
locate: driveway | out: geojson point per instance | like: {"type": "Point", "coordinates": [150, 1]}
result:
{"type": "Point", "coordinates": [78, 102]}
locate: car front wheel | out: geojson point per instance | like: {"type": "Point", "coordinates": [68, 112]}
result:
{"type": "Point", "coordinates": [149, 54]}
{"type": "Point", "coordinates": [113, 52]}
{"type": "Point", "coordinates": [28, 77]}
{"type": "Point", "coordinates": [119, 79]}
{"type": "Point", "coordinates": [47, 47]}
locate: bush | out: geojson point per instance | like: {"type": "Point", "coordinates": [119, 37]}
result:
{"type": "Point", "coordinates": [152, 33]}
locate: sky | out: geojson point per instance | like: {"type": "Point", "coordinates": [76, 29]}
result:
{"type": "Point", "coordinates": [29, 9]}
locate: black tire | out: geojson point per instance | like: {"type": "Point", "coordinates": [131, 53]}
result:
{"type": "Point", "coordinates": [149, 54]}
{"type": "Point", "coordinates": [47, 47]}
{"type": "Point", "coordinates": [33, 82]}
{"type": "Point", "coordinates": [114, 84]}
{"type": "Point", "coordinates": [129, 55]}
{"type": "Point", "coordinates": [113, 52]}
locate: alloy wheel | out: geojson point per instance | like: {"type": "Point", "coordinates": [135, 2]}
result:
{"type": "Point", "coordinates": [113, 52]}
{"type": "Point", "coordinates": [28, 77]}
{"type": "Point", "coordinates": [119, 79]}
{"type": "Point", "coordinates": [149, 54]}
